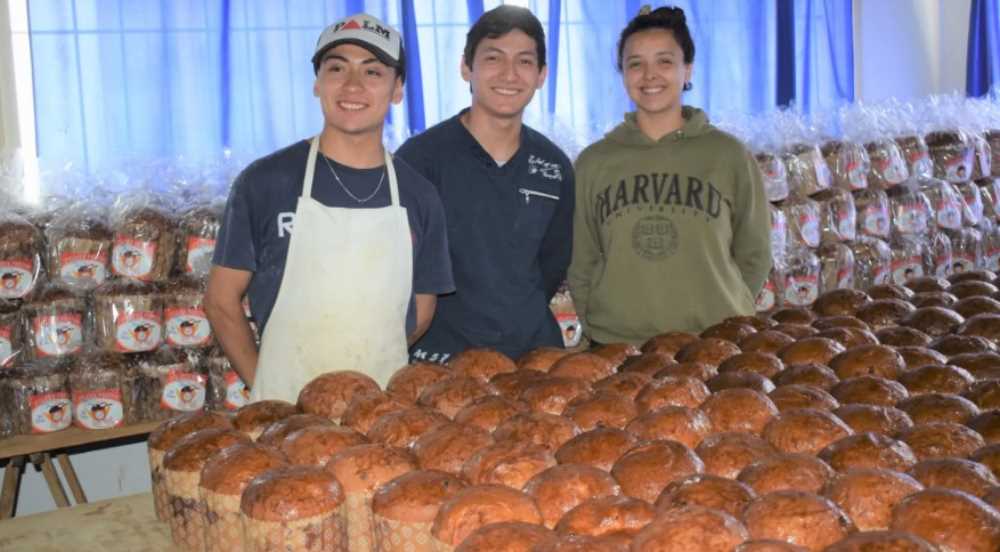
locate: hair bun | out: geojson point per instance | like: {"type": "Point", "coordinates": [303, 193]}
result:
{"type": "Point", "coordinates": [669, 13]}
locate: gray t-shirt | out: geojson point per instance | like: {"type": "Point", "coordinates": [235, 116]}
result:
{"type": "Point", "coordinates": [260, 215]}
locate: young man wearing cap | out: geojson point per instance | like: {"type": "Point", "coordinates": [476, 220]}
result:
{"type": "Point", "coordinates": [340, 248]}
{"type": "Point", "coordinates": [508, 196]}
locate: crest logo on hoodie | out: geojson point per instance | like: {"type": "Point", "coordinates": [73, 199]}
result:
{"type": "Point", "coordinates": [654, 237]}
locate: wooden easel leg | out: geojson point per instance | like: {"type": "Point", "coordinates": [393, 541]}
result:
{"type": "Point", "coordinates": [11, 483]}
{"type": "Point", "coordinates": [71, 479]}
{"type": "Point", "coordinates": [44, 460]}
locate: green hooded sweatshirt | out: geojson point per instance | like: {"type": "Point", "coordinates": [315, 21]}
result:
{"type": "Point", "coordinates": [668, 235]}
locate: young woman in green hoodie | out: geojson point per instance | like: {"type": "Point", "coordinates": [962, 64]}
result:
{"type": "Point", "coordinates": [671, 228]}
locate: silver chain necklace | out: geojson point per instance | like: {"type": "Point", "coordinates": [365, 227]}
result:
{"type": "Point", "coordinates": [354, 197]}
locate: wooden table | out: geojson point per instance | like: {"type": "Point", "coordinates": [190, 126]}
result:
{"type": "Point", "coordinates": [38, 450]}
{"type": "Point", "coordinates": [126, 524]}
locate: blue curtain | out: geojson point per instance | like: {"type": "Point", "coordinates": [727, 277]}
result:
{"type": "Point", "coordinates": [983, 71]}
{"type": "Point", "coordinates": [187, 79]}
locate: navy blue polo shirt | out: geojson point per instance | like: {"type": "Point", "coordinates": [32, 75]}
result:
{"type": "Point", "coordinates": [260, 216]}
{"type": "Point", "coordinates": [510, 233]}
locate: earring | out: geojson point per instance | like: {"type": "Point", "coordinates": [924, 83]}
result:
{"type": "Point", "coordinates": [688, 86]}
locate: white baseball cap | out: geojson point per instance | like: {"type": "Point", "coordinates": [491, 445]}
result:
{"type": "Point", "coordinates": [366, 31]}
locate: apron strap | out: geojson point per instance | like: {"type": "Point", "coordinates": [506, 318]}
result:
{"type": "Point", "coordinates": [307, 181]}
{"type": "Point", "coordinates": [393, 186]}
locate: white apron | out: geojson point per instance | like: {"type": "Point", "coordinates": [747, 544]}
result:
{"type": "Point", "coordinates": [343, 296]}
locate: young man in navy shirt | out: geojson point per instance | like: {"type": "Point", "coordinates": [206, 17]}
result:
{"type": "Point", "coordinates": [341, 248]}
{"type": "Point", "coordinates": [507, 194]}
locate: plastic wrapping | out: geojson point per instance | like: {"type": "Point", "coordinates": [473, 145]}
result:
{"type": "Point", "coordinates": [952, 154]}
{"type": "Point", "coordinates": [806, 169]}
{"type": "Point", "coordinates": [972, 202]}
{"type": "Point", "coordinates": [56, 323]}
{"type": "Point", "coordinates": [989, 190]}
{"type": "Point", "coordinates": [917, 155]}
{"type": "Point", "coordinates": [802, 219]}
{"type": "Point", "coordinates": [872, 208]}
{"type": "Point", "coordinates": [163, 385]}
{"type": "Point", "coordinates": [184, 320]}
{"type": "Point", "coordinates": [872, 262]}
{"type": "Point", "coordinates": [128, 317]}
{"type": "Point", "coordinates": [21, 247]}
{"type": "Point", "coordinates": [938, 255]}
{"type": "Point", "coordinates": [888, 168]}
{"type": "Point", "coordinates": [907, 259]}
{"type": "Point", "coordinates": [837, 267]}
{"type": "Point", "coordinates": [11, 340]}
{"type": "Point", "coordinates": [982, 166]}
{"type": "Point", "coordinates": [197, 233]}
{"type": "Point", "coordinates": [802, 277]}
{"type": "Point", "coordinates": [226, 391]}
{"type": "Point", "coordinates": [779, 234]}
{"type": "Point", "coordinates": [991, 243]}
{"type": "Point", "coordinates": [775, 177]}
{"type": "Point", "coordinates": [79, 248]}
{"type": "Point", "coordinates": [848, 163]}
{"type": "Point", "coordinates": [967, 252]}
{"type": "Point", "coordinates": [837, 216]}
{"type": "Point", "coordinates": [40, 397]}
{"type": "Point", "coordinates": [771, 296]}
{"type": "Point", "coordinates": [95, 383]}
{"type": "Point", "coordinates": [145, 240]}
{"type": "Point", "coordinates": [993, 140]}
{"type": "Point", "coordinates": [910, 211]}
{"type": "Point", "coordinates": [945, 201]}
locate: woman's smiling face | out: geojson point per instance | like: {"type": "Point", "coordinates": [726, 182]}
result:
{"type": "Point", "coordinates": [654, 71]}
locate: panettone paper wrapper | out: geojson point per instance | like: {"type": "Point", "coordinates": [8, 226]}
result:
{"type": "Point", "coordinates": [400, 536]}
{"type": "Point", "coordinates": [357, 512]}
{"type": "Point", "coordinates": [160, 502]}
{"type": "Point", "coordinates": [223, 523]}
{"type": "Point", "coordinates": [187, 510]}
{"type": "Point", "coordinates": [322, 533]}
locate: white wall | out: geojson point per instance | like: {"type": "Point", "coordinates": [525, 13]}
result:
{"type": "Point", "coordinates": [909, 48]}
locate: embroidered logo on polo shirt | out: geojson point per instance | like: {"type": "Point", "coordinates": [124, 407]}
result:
{"type": "Point", "coordinates": [537, 165]}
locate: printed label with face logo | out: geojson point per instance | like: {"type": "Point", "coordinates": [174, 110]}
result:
{"type": "Point", "coordinates": [904, 269]}
{"type": "Point", "coordinates": [845, 277]}
{"type": "Point", "coordinates": [779, 233]}
{"type": "Point", "coordinates": [881, 276]}
{"type": "Point", "coordinates": [99, 409]}
{"type": "Point", "coordinates": [958, 167]}
{"type": "Point", "coordinates": [766, 298]}
{"type": "Point", "coordinates": [237, 392]}
{"type": "Point", "coordinates": [962, 262]}
{"type": "Point", "coordinates": [58, 335]}
{"type": "Point", "coordinates": [801, 291]}
{"type": "Point", "coordinates": [184, 391]}
{"type": "Point", "coordinates": [83, 269]}
{"type": "Point", "coordinates": [845, 225]}
{"type": "Point", "coordinates": [894, 170]}
{"type": "Point", "coordinates": [876, 221]}
{"type": "Point", "coordinates": [942, 266]}
{"type": "Point", "coordinates": [187, 327]}
{"type": "Point", "coordinates": [809, 226]}
{"type": "Point", "coordinates": [17, 276]}
{"type": "Point", "coordinates": [949, 213]}
{"type": "Point", "coordinates": [856, 176]}
{"type": "Point", "coordinates": [138, 331]}
{"type": "Point", "coordinates": [920, 163]}
{"type": "Point", "coordinates": [199, 255]}
{"type": "Point", "coordinates": [50, 412]}
{"type": "Point", "coordinates": [6, 345]}
{"type": "Point", "coordinates": [133, 258]}
{"type": "Point", "coordinates": [571, 328]}
{"type": "Point", "coordinates": [911, 220]}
